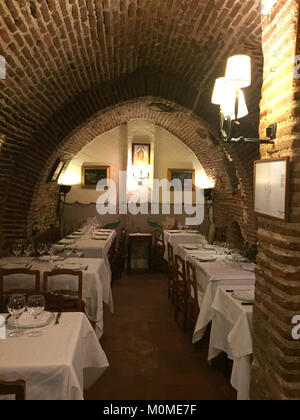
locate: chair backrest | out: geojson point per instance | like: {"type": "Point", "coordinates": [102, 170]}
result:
{"type": "Point", "coordinates": [159, 239]}
{"type": "Point", "coordinates": [123, 240]}
{"type": "Point", "coordinates": [111, 251]}
{"type": "Point", "coordinates": [65, 292]}
{"type": "Point", "coordinates": [170, 257]}
{"type": "Point", "coordinates": [179, 269]}
{"type": "Point", "coordinates": [191, 284]}
{"type": "Point", "coordinates": [17, 388]}
{"type": "Point", "coordinates": [6, 277]}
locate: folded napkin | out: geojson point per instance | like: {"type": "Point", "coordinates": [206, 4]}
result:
{"type": "Point", "coordinates": [248, 267]}
{"type": "Point", "coordinates": [13, 266]}
{"type": "Point", "coordinates": [66, 241]}
{"type": "Point", "coordinates": [70, 266]}
{"type": "Point", "coordinates": [26, 320]}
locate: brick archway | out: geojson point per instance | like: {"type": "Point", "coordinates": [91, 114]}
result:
{"type": "Point", "coordinates": [223, 164]}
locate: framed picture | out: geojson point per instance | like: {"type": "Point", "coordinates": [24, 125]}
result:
{"type": "Point", "coordinates": [271, 182]}
{"type": "Point", "coordinates": [182, 175]}
{"type": "Point", "coordinates": [56, 170]}
{"type": "Point", "coordinates": [140, 154]}
{"type": "Point", "coordinates": [91, 175]}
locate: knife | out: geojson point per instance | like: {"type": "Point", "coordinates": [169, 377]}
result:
{"type": "Point", "coordinates": [57, 318]}
{"type": "Point", "coordinates": [247, 304]}
{"type": "Point", "coordinates": [7, 318]}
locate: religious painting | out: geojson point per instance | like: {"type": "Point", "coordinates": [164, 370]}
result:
{"type": "Point", "coordinates": [140, 154]}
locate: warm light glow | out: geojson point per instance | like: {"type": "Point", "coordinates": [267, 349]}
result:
{"type": "Point", "coordinates": [203, 182]}
{"type": "Point", "coordinates": [267, 5]}
{"type": "Point", "coordinates": [219, 91]}
{"type": "Point", "coordinates": [70, 178]}
{"type": "Point", "coordinates": [228, 105]}
{"type": "Point", "coordinates": [224, 95]}
{"type": "Point", "coordinates": [238, 71]}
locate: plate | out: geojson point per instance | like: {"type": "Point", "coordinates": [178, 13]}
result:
{"type": "Point", "coordinates": [47, 258]}
{"type": "Point", "coordinates": [70, 266]}
{"type": "Point", "coordinates": [244, 295]}
{"type": "Point", "coordinates": [13, 266]}
{"type": "Point", "coordinates": [26, 320]}
{"type": "Point", "coordinates": [205, 258]}
{"type": "Point", "coordinates": [248, 267]}
{"type": "Point", "coordinates": [66, 242]}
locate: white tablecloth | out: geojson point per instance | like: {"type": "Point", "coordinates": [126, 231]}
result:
{"type": "Point", "coordinates": [94, 248]}
{"type": "Point", "coordinates": [59, 364]}
{"type": "Point", "coordinates": [210, 276]}
{"type": "Point", "coordinates": [231, 332]}
{"type": "Point", "coordinates": [179, 238]}
{"type": "Point", "coordinates": [96, 284]}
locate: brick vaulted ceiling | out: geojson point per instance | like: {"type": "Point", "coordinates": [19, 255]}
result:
{"type": "Point", "coordinates": [69, 59]}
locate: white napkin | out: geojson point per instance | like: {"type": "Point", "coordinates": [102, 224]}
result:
{"type": "Point", "coordinates": [13, 266]}
{"type": "Point", "coordinates": [70, 266]}
{"type": "Point", "coordinates": [26, 319]}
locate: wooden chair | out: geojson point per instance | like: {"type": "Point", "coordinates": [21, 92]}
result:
{"type": "Point", "coordinates": [119, 258]}
{"type": "Point", "coordinates": [159, 248]}
{"type": "Point", "coordinates": [192, 300]}
{"type": "Point", "coordinates": [17, 388]}
{"type": "Point", "coordinates": [171, 266]}
{"type": "Point", "coordinates": [5, 277]}
{"type": "Point", "coordinates": [72, 299]}
{"type": "Point", "coordinates": [180, 289]}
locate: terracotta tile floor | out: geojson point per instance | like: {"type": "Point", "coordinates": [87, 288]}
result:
{"type": "Point", "coordinates": [150, 357]}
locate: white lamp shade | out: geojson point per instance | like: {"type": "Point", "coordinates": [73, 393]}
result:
{"type": "Point", "coordinates": [228, 104]}
{"type": "Point", "coordinates": [219, 91]}
{"type": "Point", "coordinates": [238, 71]}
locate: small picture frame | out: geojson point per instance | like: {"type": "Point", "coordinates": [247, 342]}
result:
{"type": "Point", "coordinates": [271, 188]}
{"type": "Point", "coordinates": [140, 154]}
{"type": "Point", "coordinates": [91, 175]}
{"type": "Point", "coordinates": [56, 170]}
{"type": "Point", "coordinates": [182, 175]}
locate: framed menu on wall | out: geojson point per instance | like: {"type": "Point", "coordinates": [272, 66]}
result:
{"type": "Point", "coordinates": [271, 181]}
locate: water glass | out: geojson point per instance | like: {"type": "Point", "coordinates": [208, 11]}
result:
{"type": "Point", "coordinates": [16, 306]}
{"type": "Point", "coordinates": [17, 249]}
{"type": "Point", "coordinates": [35, 306]}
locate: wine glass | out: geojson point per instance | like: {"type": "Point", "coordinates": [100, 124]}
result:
{"type": "Point", "coordinates": [16, 306]}
{"type": "Point", "coordinates": [41, 249]}
{"type": "Point", "coordinates": [35, 306]}
{"type": "Point", "coordinates": [68, 251]}
{"type": "Point", "coordinates": [17, 249]}
{"type": "Point", "coordinates": [29, 249]}
{"type": "Point", "coordinates": [78, 252]}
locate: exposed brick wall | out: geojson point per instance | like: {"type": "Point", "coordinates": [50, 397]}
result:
{"type": "Point", "coordinates": [66, 60]}
{"type": "Point", "coordinates": [276, 367]}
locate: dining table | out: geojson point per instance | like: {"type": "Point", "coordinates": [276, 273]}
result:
{"type": "Point", "coordinates": [210, 275]}
{"type": "Point", "coordinates": [176, 237]}
{"type": "Point", "coordinates": [231, 332]}
{"type": "Point", "coordinates": [94, 244]}
{"type": "Point", "coordinates": [60, 364]}
{"type": "Point", "coordinates": [96, 281]}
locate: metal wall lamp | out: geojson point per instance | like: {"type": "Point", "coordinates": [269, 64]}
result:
{"type": "Point", "coordinates": [228, 94]}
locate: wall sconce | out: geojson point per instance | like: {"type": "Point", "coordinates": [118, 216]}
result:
{"type": "Point", "coordinates": [141, 172]}
{"type": "Point", "coordinates": [229, 96]}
